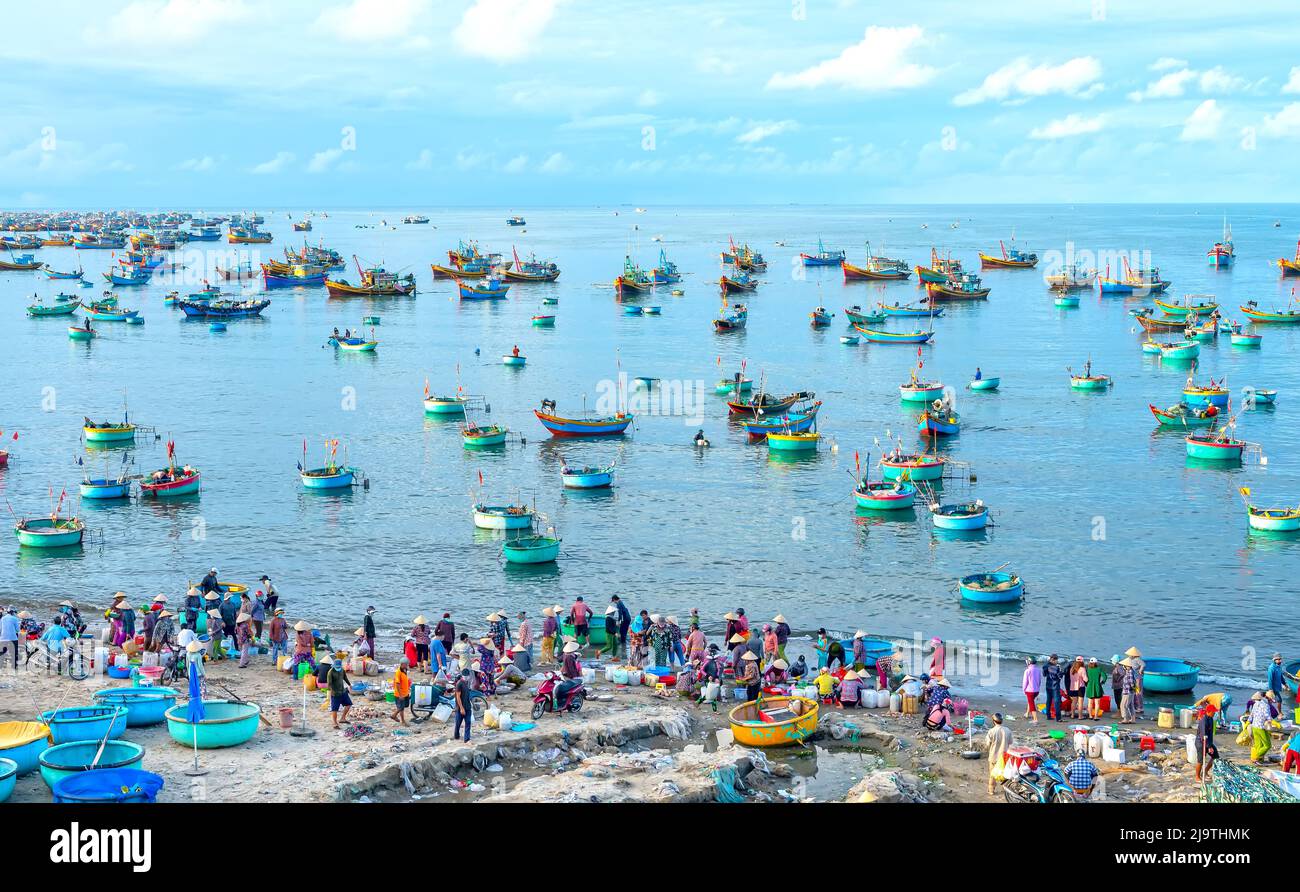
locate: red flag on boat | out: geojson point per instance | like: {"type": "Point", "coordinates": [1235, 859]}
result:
{"type": "Point", "coordinates": [426, 388]}
{"type": "Point", "coordinates": [171, 449]}
{"type": "Point", "coordinates": [480, 478]}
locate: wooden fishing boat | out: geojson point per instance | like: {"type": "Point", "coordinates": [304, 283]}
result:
{"type": "Point", "coordinates": [1223, 253]}
{"type": "Point", "coordinates": [559, 426]}
{"type": "Point", "coordinates": [749, 260]}
{"type": "Point", "coordinates": [474, 436]}
{"type": "Point", "coordinates": [39, 309]}
{"type": "Point", "coordinates": [1215, 446]}
{"type": "Point", "coordinates": [966, 286]}
{"type": "Point", "coordinates": [108, 432]}
{"type": "Point", "coordinates": [51, 273]}
{"type": "Point", "coordinates": [876, 336]}
{"type": "Point", "coordinates": [451, 272]}
{"type": "Point", "coordinates": [666, 272]}
{"type": "Point", "coordinates": [940, 270]}
{"type": "Point", "coordinates": [1290, 267]}
{"type": "Point", "coordinates": [302, 226]}
{"type": "Point", "coordinates": [876, 269]}
{"type": "Point", "coordinates": [95, 242]}
{"type": "Point", "coordinates": [277, 275]}
{"type": "Point", "coordinates": [102, 313]}
{"type": "Point", "coordinates": [515, 221]}
{"type": "Point", "coordinates": [912, 466]}
{"type": "Point", "coordinates": [1212, 395]}
{"type": "Point", "coordinates": [729, 385]}
{"type": "Point", "coordinates": [129, 277]}
{"type": "Point", "coordinates": [1183, 415]}
{"type": "Point", "coordinates": [991, 588]}
{"type": "Point", "coordinates": [531, 549]}
{"type": "Point", "coordinates": [965, 516]}
{"type": "Point", "coordinates": [1151, 323]}
{"type": "Point", "coordinates": [907, 310]}
{"type": "Point", "coordinates": [820, 318]}
{"type": "Point", "coordinates": [633, 279]}
{"type": "Point", "coordinates": [774, 721]}
{"type": "Point", "coordinates": [1180, 350]}
{"type": "Point", "coordinates": [204, 308]}
{"type": "Point", "coordinates": [21, 263]}
{"type": "Point", "coordinates": [1013, 259]}
{"type": "Point", "coordinates": [941, 422]}
{"type": "Point", "coordinates": [445, 405]}
{"type": "Point", "coordinates": [250, 235]}
{"type": "Point", "coordinates": [1273, 520]}
{"type": "Point", "coordinates": [739, 284]}
{"type": "Point", "coordinates": [242, 270]}
{"type": "Point", "coordinates": [731, 318]}
{"type": "Point", "coordinates": [329, 477]}
{"type": "Point", "coordinates": [77, 333]}
{"type": "Point", "coordinates": [587, 478]}
{"type": "Point", "coordinates": [1072, 277]}
{"type": "Point", "coordinates": [1245, 339]}
{"type": "Point", "coordinates": [766, 404]}
{"type": "Point", "coordinates": [1186, 309]}
{"type": "Point", "coordinates": [797, 422]}
{"type": "Point", "coordinates": [884, 495]}
{"type": "Point", "coordinates": [170, 482]}
{"type": "Point", "coordinates": [544, 321]}
{"type": "Point", "coordinates": [375, 282]}
{"type": "Point", "coordinates": [1286, 317]}
{"type": "Point", "coordinates": [502, 517]}
{"type": "Point", "coordinates": [857, 317]}
{"type": "Point", "coordinates": [805, 441]}
{"type": "Point", "coordinates": [532, 270]}
{"type": "Point", "coordinates": [984, 384]}
{"type": "Point", "coordinates": [49, 532]}
{"type": "Point", "coordinates": [492, 289]}
{"type": "Point", "coordinates": [354, 344]}
{"type": "Point", "coordinates": [823, 257]}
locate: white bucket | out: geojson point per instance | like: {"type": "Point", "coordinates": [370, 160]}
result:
{"type": "Point", "coordinates": [589, 675]}
{"type": "Point", "coordinates": [1186, 718]}
{"type": "Point", "coordinates": [609, 673]}
{"type": "Point", "coordinates": [101, 657]}
{"type": "Point", "coordinates": [868, 700]}
{"type": "Point", "coordinates": [895, 702]}
{"type": "Point", "coordinates": [620, 675]}
{"type": "Point", "coordinates": [634, 676]}
{"type": "Point", "coordinates": [505, 721]}
{"type": "Point", "coordinates": [442, 712]}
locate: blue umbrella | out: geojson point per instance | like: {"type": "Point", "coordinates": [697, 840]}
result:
{"type": "Point", "coordinates": [196, 711]}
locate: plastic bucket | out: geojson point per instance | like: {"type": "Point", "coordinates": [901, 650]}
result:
{"type": "Point", "coordinates": [286, 717]}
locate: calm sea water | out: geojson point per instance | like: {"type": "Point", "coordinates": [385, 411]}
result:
{"type": "Point", "coordinates": [1118, 539]}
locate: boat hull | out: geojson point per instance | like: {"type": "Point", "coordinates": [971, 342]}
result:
{"type": "Point", "coordinates": [1200, 398]}
{"type": "Point", "coordinates": [923, 470]}
{"type": "Point", "coordinates": [532, 550]}
{"type": "Point", "coordinates": [45, 533]}
{"type": "Point", "coordinates": [909, 394]}
{"type": "Point", "coordinates": [226, 724]}
{"type": "Point", "coordinates": [496, 517]}
{"type": "Point", "coordinates": [512, 360]}
{"type": "Point", "coordinates": [932, 426]}
{"type": "Point", "coordinates": [1168, 676]}
{"type": "Point", "coordinates": [748, 729]}
{"type": "Point", "coordinates": [886, 497]}
{"type": "Point", "coordinates": [1245, 340]}
{"type": "Point", "coordinates": [985, 384]}
{"type": "Point", "coordinates": [960, 517]}
{"type": "Point", "coordinates": [444, 407]}
{"type": "Point", "coordinates": [105, 489]}
{"type": "Point", "coordinates": [597, 480]}
{"type": "Point", "coordinates": [323, 478]}
{"type": "Point", "coordinates": [893, 337]}
{"type": "Point", "coordinates": [576, 427]}
{"type": "Point", "coordinates": [1276, 520]}
{"type": "Point", "coordinates": [185, 487]}
{"type": "Point", "coordinates": [1099, 382]}
{"type": "Point", "coordinates": [1214, 450]}
{"type": "Point", "coordinates": [801, 442]}
{"type": "Point", "coordinates": [1006, 588]}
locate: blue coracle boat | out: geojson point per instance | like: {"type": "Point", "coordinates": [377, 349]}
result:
{"type": "Point", "coordinates": [991, 588]}
{"type": "Point", "coordinates": [1168, 676]}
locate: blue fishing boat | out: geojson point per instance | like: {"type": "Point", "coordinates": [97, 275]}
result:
{"type": "Point", "coordinates": [612, 426]}
{"type": "Point", "coordinates": [1213, 394]}
{"type": "Point", "coordinates": [731, 318]}
{"type": "Point", "coordinates": [884, 495]}
{"type": "Point", "coordinates": [51, 273]}
{"type": "Point", "coordinates": [875, 336]}
{"type": "Point", "coordinates": [857, 316]}
{"type": "Point", "coordinates": [823, 257]}
{"type": "Point", "coordinates": [502, 517]}
{"type": "Point", "coordinates": [969, 516]}
{"type": "Point", "coordinates": [820, 317]}
{"type": "Point", "coordinates": [991, 588]}
{"type": "Point", "coordinates": [106, 488]}
{"type": "Point", "coordinates": [102, 313]}
{"type": "Point", "coordinates": [129, 276]}
{"type": "Point", "coordinates": [907, 310]}
{"type": "Point", "coordinates": [587, 477]}
{"type": "Point", "coordinates": [665, 273]}
{"type": "Point", "coordinates": [1163, 675]}
{"type": "Point", "coordinates": [516, 359]}
{"type": "Point", "coordinates": [984, 384]}
{"type": "Point", "coordinates": [794, 422]}
{"type": "Point", "coordinates": [492, 288]}
{"type": "Point", "coordinates": [298, 275]}
{"type": "Point", "coordinates": [531, 550]}
{"type": "Point", "coordinates": [939, 422]}
{"type": "Point", "coordinates": [223, 309]}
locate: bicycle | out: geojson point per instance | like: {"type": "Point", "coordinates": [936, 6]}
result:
{"type": "Point", "coordinates": [70, 661]}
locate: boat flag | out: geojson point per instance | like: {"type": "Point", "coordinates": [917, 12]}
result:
{"type": "Point", "coordinates": [1245, 490]}
{"type": "Point", "coordinates": [480, 478]}
{"type": "Point", "coordinates": [171, 448]}
{"type": "Point", "coordinates": [426, 388]}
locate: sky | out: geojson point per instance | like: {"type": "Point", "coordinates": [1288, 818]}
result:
{"type": "Point", "coordinates": [388, 103]}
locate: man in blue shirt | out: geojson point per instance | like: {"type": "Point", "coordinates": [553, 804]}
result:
{"type": "Point", "coordinates": [9, 634]}
{"type": "Point", "coordinates": [1276, 680]}
{"type": "Point", "coordinates": [1081, 775]}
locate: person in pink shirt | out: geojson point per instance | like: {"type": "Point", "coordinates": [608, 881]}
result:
{"type": "Point", "coordinates": [938, 658]}
{"type": "Point", "coordinates": [1031, 683]}
{"type": "Point", "coordinates": [769, 644]}
{"type": "Point", "coordinates": [742, 622]}
{"type": "Point", "coordinates": [696, 645]}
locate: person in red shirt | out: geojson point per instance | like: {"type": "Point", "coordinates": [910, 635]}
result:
{"type": "Point", "coordinates": [580, 615]}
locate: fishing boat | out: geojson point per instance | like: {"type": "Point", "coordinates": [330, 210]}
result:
{"type": "Point", "coordinates": [1152, 323]}
{"type": "Point", "coordinates": [1215, 446]}
{"type": "Point", "coordinates": [850, 340]}
{"type": "Point", "coordinates": [1252, 311]}
{"type": "Point", "coordinates": [741, 283]}
{"type": "Point", "coordinates": [965, 516]}
{"type": "Point", "coordinates": [1066, 301]}
{"type": "Point", "coordinates": [1072, 277]}
{"type": "Point", "coordinates": [790, 441]}
{"type": "Point", "coordinates": [1180, 350]}
{"type": "Point", "coordinates": [823, 257]}
{"type": "Point", "coordinates": [1012, 259]}
{"type": "Point", "coordinates": [295, 275]}
{"type": "Point", "coordinates": [241, 270]}
{"type": "Point", "coordinates": [820, 318]}
{"type": "Point", "coordinates": [632, 310]}
{"type": "Point", "coordinates": [1136, 282]}
{"type": "Point", "coordinates": [774, 721]}
{"type": "Point", "coordinates": [996, 587]}
{"type": "Point", "coordinates": [516, 221]}
{"type": "Point", "coordinates": [899, 465]}
{"type": "Point", "coordinates": [964, 286]}
{"type": "Point", "coordinates": [875, 336]}
{"type": "Point", "coordinates": [171, 481]}
{"type": "Point", "coordinates": [633, 279]}
{"type": "Point", "coordinates": [587, 477]}
{"type": "Point", "coordinates": [492, 288]}
{"type": "Point", "coordinates": [918, 391]}
{"type": "Point", "coordinates": [559, 426]}
{"type": "Point", "coordinates": [731, 318]}
{"type": "Point", "coordinates": [939, 421]}
{"type": "Point", "coordinates": [106, 488]}
{"type": "Point", "coordinates": [856, 316]}
{"type": "Point", "coordinates": [51, 273]}
{"type": "Point", "coordinates": [375, 282]}
{"type": "Point", "coordinates": [49, 532]}
{"type": "Point", "coordinates": [665, 272]}
{"type": "Point", "coordinates": [98, 242]}
{"type": "Point", "coordinates": [107, 431]}
{"type": "Point", "coordinates": [516, 359]}
{"type": "Point", "coordinates": [1187, 308]}
{"type": "Point", "coordinates": [1089, 381]}
{"type": "Point", "coordinates": [129, 276]}
{"type": "Point", "coordinates": [735, 384]}
{"type": "Point", "coordinates": [543, 321]}
{"type": "Point", "coordinates": [531, 549]}
{"type": "Point", "coordinates": [302, 226]}
{"type": "Point", "coordinates": [1245, 339]}
{"type": "Point", "coordinates": [21, 263]}
{"type": "Point", "coordinates": [766, 404]}
{"type": "Point", "coordinates": [1184, 415]}
{"type": "Point", "coordinates": [40, 309]}
{"type": "Point", "coordinates": [247, 235]}
{"type": "Point", "coordinates": [984, 384]}
{"type": "Point", "coordinates": [1290, 267]}
{"type": "Point", "coordinates": [800, 421]}
{"type": "Point", "coordinates": [749, 260]}
{"type": "Point", "coordinates": [415, 218]}
{"type": "Point", "coordinates": [1223, 252]}
{"type": "Point", "coordinates": [903, 311]}
{"type": "Point", "coordinates": [474, 436]}
{"type": "Point", "coordinates": [353, 343]}
{"type": "Point", "coordinates": [532, 270]}
{"type": "Point", "coordinates": [652, 310]}
{"type": "Point", "coordinates": [1204, 332]}
{"type": "Point", "coordinates": [1263, 396]}
{"type": "Point", "coordinates": [204, 308]}
{"type": "Point", "coordinates": [101, 312]}
{"type": "Point", "coordinates": [1212, 394]}
{"type": "Point", "coordinates": [503, 517]}
{"type": "Point", "coordinates": [1273, 520]}
{"type": "Point", "coordinates": [876, 269]}
{"type": "Point", "coordinates": [1163, 675]}
{"type": "Point", "coordinates": [940, 270]}
{"type": "Point", "coordinates": [79, 333]}
{"type": "Point", "coordinates": [884, 495]}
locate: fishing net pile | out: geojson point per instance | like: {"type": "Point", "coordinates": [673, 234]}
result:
{"type": "Point", "coordinates": [1241, 783]}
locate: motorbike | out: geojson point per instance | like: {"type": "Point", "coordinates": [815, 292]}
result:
{"type": "Point", "coordinates": [1041, 781]}
{"type": "Point", "coordinates": [571, 699]}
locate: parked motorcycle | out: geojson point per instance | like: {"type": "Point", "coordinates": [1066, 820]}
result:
{"type": "Point", "coordinates": [1041, 781]}
{"type": "Point", "coordinates": [571, 694]}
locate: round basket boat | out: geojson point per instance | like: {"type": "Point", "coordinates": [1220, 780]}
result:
{"type": "Point", "coordinates": [68, 759]}
{"type": "Point", "coordinates": [22, 743]}
{"type": "Point", "coordinates": [991, 588]}
{"type": "Point", "coordinates": [226, 723]}
{"type": "Point", "coordinates": [1169, 676]}
{"type": "Point", "coordinates": [8, 778]}
{"type": "Point", "coordinates": [108, 785]}
{"type": "Point", "coordinates": [144, 706]}
{"type": "Point", "coordinates": [85, 723]}
{"type": "Point", "coordinates": [531, 550]}
{"type": "Point", "coordinates": [595, 631]}
{"type": "Point", "coordinates": [774, 721]}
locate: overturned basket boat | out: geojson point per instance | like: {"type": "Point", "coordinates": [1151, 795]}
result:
{"type": "Point", "coordinates": [774, 721]}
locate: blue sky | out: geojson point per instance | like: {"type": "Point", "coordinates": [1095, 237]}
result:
{"type": "Point", "coordinates": [332, 103]}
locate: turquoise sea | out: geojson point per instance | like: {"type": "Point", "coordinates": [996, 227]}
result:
{"type": "Point", "coordinates": [1119, 539]}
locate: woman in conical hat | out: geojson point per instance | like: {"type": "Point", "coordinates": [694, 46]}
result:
{"type": "Point", "coordinates": [303, 646]}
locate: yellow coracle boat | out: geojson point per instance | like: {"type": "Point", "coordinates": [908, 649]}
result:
{"type": "Point", "coordinates": [774, 721]}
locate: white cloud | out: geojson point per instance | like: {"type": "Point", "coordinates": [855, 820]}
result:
{"type": "Point", "coordinates": [1021, 80]}
{"type": "Point", "coordinates": [503, 30]}
{"type": "Point", "coordinates": [715, 65]}
{"type": "Point", "coordinates": [323, 161]}
{"type": "Point", "coordinates": [371, 21]}
{"type": "Point", "coordinates": [1168, 86]}
{"type": "Point", "coordinates": [648, 99]}
{"type": "Point", "coordinates": [423, 161]}
{"type": "Point", "coordinates": [1203, 123]}
{"type": "Point", "coordinates": [1070, 125]}
{"type": "Point", "coordinates": [761, 130]}
{"type": "Point", "coordinates": [172, 21]}
{"type": "Point", "coordinates": [1216, 80]}
{"type": "Point", "coordinates": [1164, 63]}
{"type": "Point", "coordinates": [606, 122]}
{"type": "Point", "coordinates": [67, 161]}
{"type": "Point", "coordinates": [878, 63]}
{"type": "Point", "coordinates": [517, 164]}
{"type": "Point", "coordinates": [1293, 84]}
{"type": "Point", "coordinates": [557, 163]}
{"type": "Point", "coordinates": [275, 165]}
{"type": "Point", "coordinates": [1286, 123]}
{"type": "Point", "coordinates": [467, 159]}
{"type": "Point", "coordinates": [198, 165]}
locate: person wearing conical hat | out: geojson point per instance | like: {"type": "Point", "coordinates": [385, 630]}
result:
{"type": "Point", "coordinates": [748, 675]}
{"type": "Point", "coordinates": [850, 692]}
{"type": "Point", "coordinates": [738, 650]}
{"type": "Point", "coordinates": [114, 615]}
{"type": "Point", "coordinates": [550, 633]}
{"type": "Point", "coordinates": [776, 672]}
{"type": "Point", "coordinates": [487, 657]}
{"type": "Point", "coordinates": [421, 635]}
{"type": "Point", "coordinates": [499, 630]}
{"type": "Point", "coordinates": [732, 627]}
{"type": "Point", "coordinates": [611, 633]}
{"type": "Point", "coordinates": [244, 638]}
{"type": "Point", "coordinates": [508, 673]}
{"type": "Point", "coordinates": [164, 631]}
{"type": "Point", "coordinates": [1128, 682]}
{"type": "Point", "coordinates": [303, 646]}
{"type": "Point", "coordinates": [214, 648]}
{"type": "Point", "coordinates": [860, 651]}
{"type": "Point", "coordinates": [1139, 667]}
{"type": "Point", "coordinates": [782, 630]}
